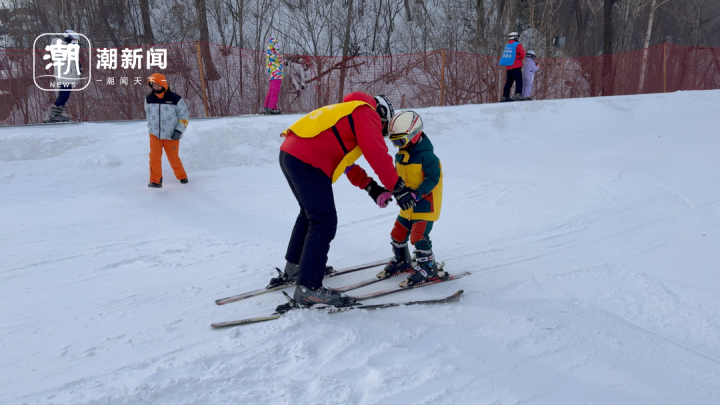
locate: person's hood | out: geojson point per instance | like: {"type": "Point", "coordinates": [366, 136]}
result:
{"type": "Point", "coordinates": [160, 79]}
{"type": "Point", "coordinates": [360, 96]}
{"type": "Point", "coordinates": [271, 43]}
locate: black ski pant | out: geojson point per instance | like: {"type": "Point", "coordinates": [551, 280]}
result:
{"type": "Point", "coordinates": [63, 95]}
{"type": "Point", "coordinates": [513, 76]}
{"type": "Point", "coordinates": [316, 224]}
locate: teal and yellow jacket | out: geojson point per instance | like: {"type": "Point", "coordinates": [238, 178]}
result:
{"type": "Point", "coordinates": [421, 170]}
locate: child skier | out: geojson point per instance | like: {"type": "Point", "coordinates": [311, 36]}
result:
{"type": "Point", "coordinates": [417, 165]}
{"type": "Point", "coordinates": [274, 64]}
{"type": "Point", "coordinates": [167, 117]}
{"type": "Point", "coordinates": [529, 68]}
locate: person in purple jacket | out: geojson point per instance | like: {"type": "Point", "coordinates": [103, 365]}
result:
{"type": "Point", "coordinates": [528, 70]}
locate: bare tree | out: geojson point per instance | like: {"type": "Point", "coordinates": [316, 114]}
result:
{"type": "Point", "coordinates": [646, 43]}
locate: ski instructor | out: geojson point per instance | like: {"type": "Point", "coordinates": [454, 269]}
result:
{"type": "Point", "coordinates": [317, 150]}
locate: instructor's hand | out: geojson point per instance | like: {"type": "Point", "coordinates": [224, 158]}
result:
{"type": "Point", "coordinates": [379, 194]}
{"type": "Point", "coordinates": [404, 195]}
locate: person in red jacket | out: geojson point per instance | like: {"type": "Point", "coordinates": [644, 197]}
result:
{"type": "Point", "coordinates": [512, 59]}
{"type": "Point", "coordinates": [317, 150]}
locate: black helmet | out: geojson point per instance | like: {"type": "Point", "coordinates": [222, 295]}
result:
{"type": "Point", "coordinates": [384, 108]}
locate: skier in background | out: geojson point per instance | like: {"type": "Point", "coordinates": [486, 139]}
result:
{"type": "Point", "coordinates": [512, 59]}
{"type": "Point", "coordinates": [167, 117]}
{"type": "Point", "coordinates": [317, 150]}
{"type": "Point", "coordinates": [67, 76]}
{"type": "Point", "coordinates": [274, 64]}
{"type": "Point", "coordinates": [529, 68]}
{"type": "Point", "coordinates": [420, 169]}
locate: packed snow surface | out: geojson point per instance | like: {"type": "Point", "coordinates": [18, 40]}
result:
{"type": "Point", "coordinates": [591, 228]}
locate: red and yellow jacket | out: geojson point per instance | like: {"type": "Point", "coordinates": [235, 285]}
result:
{"type": "Point", "coordinates": [331, 138]}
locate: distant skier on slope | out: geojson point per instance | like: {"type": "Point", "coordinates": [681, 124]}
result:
{"type": "Point", "coordinates": [529, 68]}
{"type": "Point", "coordinates": [421, 170]}
{"type": "Point", "coordinates": [317, 150]}
{"type": "Point", "coordinates": [274, 62]}
{"type": "Point", "coordinates": [67, 76]}
{"type": "Point", "coordinates": [512, 58]}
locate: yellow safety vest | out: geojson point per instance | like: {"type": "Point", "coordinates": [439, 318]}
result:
{"type": "Point", "coordinates": [322, 119]}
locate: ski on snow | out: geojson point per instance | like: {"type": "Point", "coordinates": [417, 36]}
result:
{"type": "Point", "coordinates": [374, 280]}
{"type": "Point", "coordinates": [250, 294]}
{"type": "Point", "coordinates": [335, 310]}
{"type": "Point", "coordinates": [358, 305]}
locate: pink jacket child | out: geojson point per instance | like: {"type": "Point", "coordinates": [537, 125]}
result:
{"type": "Point", "coordinates": [274, 64]}
{"type": "Point", "coordinates": [529, 68]}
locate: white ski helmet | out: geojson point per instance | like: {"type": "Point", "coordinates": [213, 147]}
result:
{"type": "Point", "coordinates": [531, 54]}
{"type": "Point", "coordinates": [405, 128]}
{"type": "Point", "coordinates": [514, 35]}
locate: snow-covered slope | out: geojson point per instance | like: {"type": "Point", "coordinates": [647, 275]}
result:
{"type": "Point", "coordinates": [591, 227]}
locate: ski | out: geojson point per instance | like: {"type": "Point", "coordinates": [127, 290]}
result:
{"type": "Point", "coordinates": [367, 282]}
{"type": "Point", "coordinates": [255, 293]}
{"type": "Point", "coordinates": [455, 296]}
{"type": "Point", "coordinates": [412, 287]}
{"type": "Point", "coordinates": [334, 310]}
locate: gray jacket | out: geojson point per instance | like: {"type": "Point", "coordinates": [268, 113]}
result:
{"type": "Point", "coordinates": [166, 115]}
{"type": "Point", "coordinates": [69, 72]}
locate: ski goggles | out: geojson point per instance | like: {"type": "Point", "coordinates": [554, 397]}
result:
{"type": "Point", "coordinates": [402, 140]}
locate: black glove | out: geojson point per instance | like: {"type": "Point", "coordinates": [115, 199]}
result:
{"type": "Point", "coordinates": [176, 135]}
{"type": "Point", "coordinates": [404, 195]}
{"type": "Point", "coordinates": [378, 193]}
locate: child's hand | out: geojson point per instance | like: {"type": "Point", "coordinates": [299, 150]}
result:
{"type": "Point", "coordinates": [177, 135]}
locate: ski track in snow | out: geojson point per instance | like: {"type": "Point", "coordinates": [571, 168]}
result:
{"type": "Point", "coordinates": [591, 228]}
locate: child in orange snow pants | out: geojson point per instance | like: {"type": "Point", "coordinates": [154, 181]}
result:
{"type": "Point", "coordinates": [167, 117]}
{"type": "Point", "coordinates": [171, 151]}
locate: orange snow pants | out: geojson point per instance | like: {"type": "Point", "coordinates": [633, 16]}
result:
{"type": "Point", "coordinates": [171, 149]}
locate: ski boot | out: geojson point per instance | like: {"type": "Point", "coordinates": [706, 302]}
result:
{"type": "Point", "coordinates": [425, 269]}
{"type": "Point", "coordinates": [183, 181]}
{"type": "Point", "coordinates": [518, 97]}
{"type": "Point", "coordinates": [290, 275]}
{"type": "Point", "coordinates": [306, 296]}
{"type": "Point", "coordinates": [56, 114]}
{"type": "Point", "coordinates": [505, 99]}
{"type": "Point", "coordinates": [401, 263]}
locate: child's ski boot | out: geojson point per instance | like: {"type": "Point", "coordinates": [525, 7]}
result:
{"type": "Point", "coordinates": [426, 269]}
{"type": "Point", "coordinates": [401, 263]}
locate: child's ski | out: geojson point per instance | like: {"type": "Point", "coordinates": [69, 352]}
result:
{"type": "Point", "coordinates": [374, 280]}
